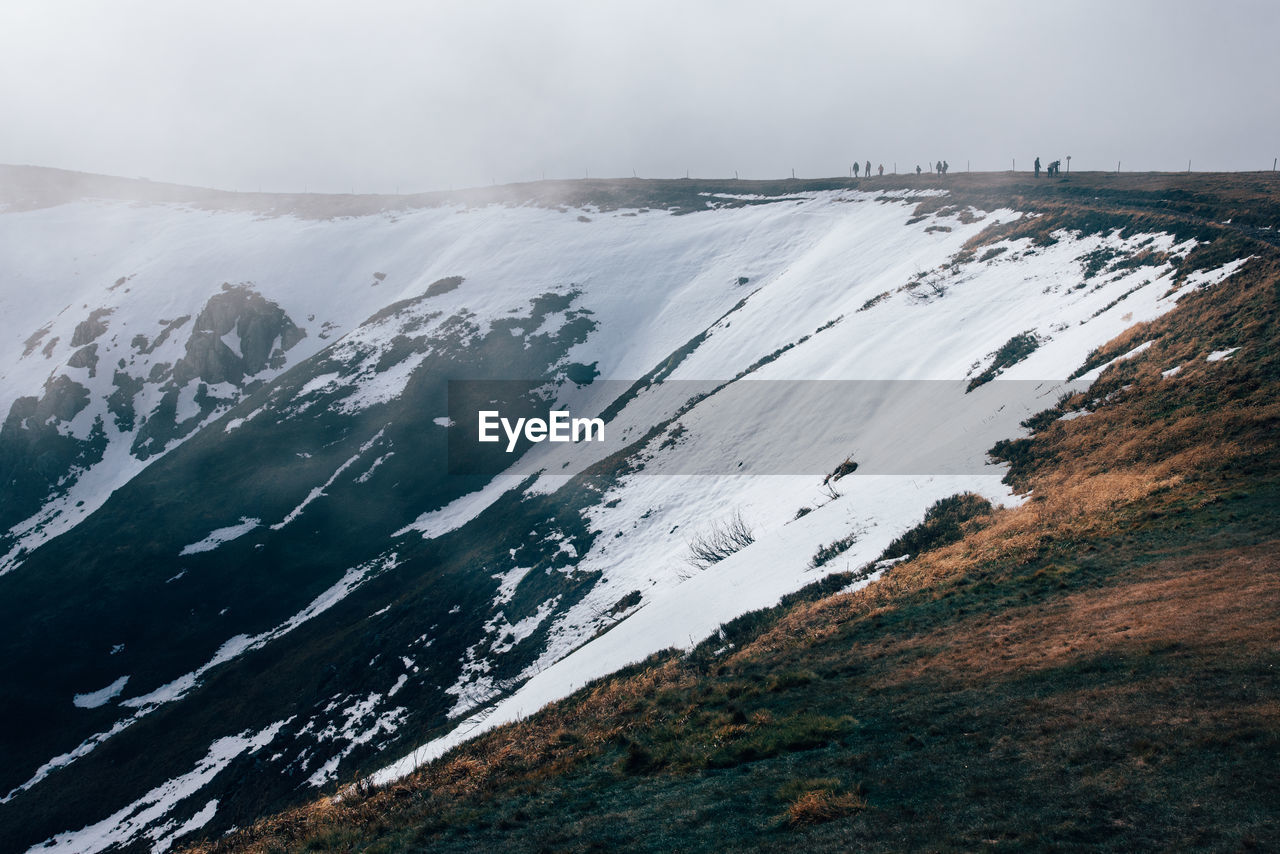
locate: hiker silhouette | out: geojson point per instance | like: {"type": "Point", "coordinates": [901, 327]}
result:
{"type": "Point", "coordinates": [945, 167]}
{"type": "Point", "coordinates": [1037, 167]}
{"type": "Point", "coordinates": [881, 170]}
{"type": "Point", "coordinates": [856, 166]}
{"type": "Point", "coordinates": [917, 169]}
{"type": "Point", "coordinates": [868, 168]}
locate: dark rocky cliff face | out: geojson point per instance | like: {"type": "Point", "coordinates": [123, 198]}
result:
{"type": "Point", "coordinates": [264, 331]}
{"type": "Point", "coordinates": [125, 592]}
{"type": "Point", "coordinates": [40, 456]}
{"type": "Point", "coordinates": [35, 455]}
{"type": "Point", "coordinates": [263, 334]}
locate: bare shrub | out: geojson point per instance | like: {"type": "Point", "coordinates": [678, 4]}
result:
{"type": "Point", "coordinates": [846, 467]}
{"type": "Point", "coordinates": [724, 539]}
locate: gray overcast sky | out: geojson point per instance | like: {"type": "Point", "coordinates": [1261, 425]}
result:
{"type": "Point", "coordinates": [421, 95]}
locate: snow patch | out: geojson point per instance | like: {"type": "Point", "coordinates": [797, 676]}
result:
{"type": "Point", "coordinates": [324, 381]}
{"type": "Point", "coordinates": [318, 492]}
{"type": "Point", "coordinates": [218, 536]}
{"type": "Point", "coordinates": [191, 825]}
{"type": "Point", "coordinates": [1092, 375]}
{"type": "Point", "coordinates": [508, 582]}
{"type": "Point", "coordinates": [102, 696]}
{"type": "Point", "coordinates": [462, 510]}
{"type": "Point", "coordinates": [375, 388]}
{"type": "Point", "coordinates": [144, 816]}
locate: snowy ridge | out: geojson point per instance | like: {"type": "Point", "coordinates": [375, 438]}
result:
{"type": "Point", "coordinates": [645, 523]}
{"type": "Point", "coordinates": [815, 286]}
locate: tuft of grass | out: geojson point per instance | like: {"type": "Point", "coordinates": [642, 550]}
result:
{"type": "Point", "coordinates": [875, 300]}
{"type": "Point", "coordinates": [946, 521]}
{"type": "Point", "coordinates": [829, 552]}
{"type": "Point", "coordinates": [1010, 353]}
{"type": "Point", "coordinates": [801, 732]}
{"type": "Point", "coordinates": [1096, 261]}
{"type": "Point", "coordinates": [822, 804]}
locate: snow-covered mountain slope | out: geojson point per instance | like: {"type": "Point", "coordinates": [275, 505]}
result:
{"type": "Point", "coordinates": [238, 567]}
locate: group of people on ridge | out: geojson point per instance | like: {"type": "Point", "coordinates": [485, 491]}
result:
{"type": "Point", "coordinates": [941, 167]}
{"type": "Point", "coordinates": [1054, 168]}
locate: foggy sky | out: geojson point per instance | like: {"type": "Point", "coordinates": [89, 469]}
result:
{"type": "Point", "coordinates": [377, 96]}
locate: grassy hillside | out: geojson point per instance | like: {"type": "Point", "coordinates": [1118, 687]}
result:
{"type": "Point", "coordinates": [1122, 702]}
{"type": "Point", "coordinates": [1097, 668]}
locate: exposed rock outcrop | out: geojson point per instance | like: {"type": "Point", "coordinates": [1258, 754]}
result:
{"type": "Point", "coordinates": [89, 329]}
{"type": "Point", "coordinates": [263, 334]}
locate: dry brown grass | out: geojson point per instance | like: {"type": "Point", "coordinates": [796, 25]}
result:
{"type": "Point", "coordinates": [822, 805]}
{"type": "Point", "coordinates": [1063, 509]}
{"type": "Point", "coordinates": [1220, 602]}
{"type": "Point", "coordinates": [525, 752]}
{"type": "Point", "coordinates": [1123, 455]}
